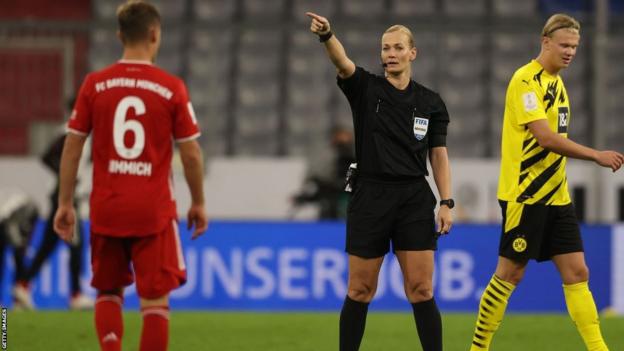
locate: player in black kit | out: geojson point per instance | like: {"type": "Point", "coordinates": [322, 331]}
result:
{"type": "Point", "coordinates": [397, 123]}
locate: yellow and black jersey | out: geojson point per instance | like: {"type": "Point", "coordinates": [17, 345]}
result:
{"type": "Point", "coordinates": [530, 174]}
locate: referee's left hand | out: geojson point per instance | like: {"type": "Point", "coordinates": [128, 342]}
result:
{"type": "Point", "coordinates": [444, 220]}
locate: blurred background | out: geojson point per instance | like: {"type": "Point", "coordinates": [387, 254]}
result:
{"type": "Point", "coordinates": [263, 88]}
{"type": "Point", "coordinates": [276, 132]}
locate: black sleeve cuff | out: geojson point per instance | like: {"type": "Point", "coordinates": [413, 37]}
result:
{"type": "Point", "coordinates": [437, 140]}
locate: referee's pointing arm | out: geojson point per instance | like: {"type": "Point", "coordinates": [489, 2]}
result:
{"type": "Point", "coordinates": [336, 52]}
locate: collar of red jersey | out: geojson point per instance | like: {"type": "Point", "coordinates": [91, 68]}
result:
{"type": "Point", "coordinates": [136, 62]}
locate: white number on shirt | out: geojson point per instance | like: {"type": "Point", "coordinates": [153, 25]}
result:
{"type": "Point", "coordinates": [121, 126]}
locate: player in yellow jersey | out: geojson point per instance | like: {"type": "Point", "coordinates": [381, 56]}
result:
{"type": "Point", "coordinates": [539, 221]}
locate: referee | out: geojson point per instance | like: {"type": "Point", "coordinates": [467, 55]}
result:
{"type": "Point", "coordinates": [397, 123]}
{"type": "Point", "coordinates": [539, 221]}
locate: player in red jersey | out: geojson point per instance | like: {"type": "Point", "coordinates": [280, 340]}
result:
{"type": "Point", "coordinates": [134, 111]}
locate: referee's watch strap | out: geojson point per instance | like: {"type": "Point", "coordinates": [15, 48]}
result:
{"type": "Point", "coordinates": [325, 37]}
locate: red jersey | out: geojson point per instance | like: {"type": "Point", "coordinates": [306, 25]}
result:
{"type": "Point", "coordinates": [134, 111]}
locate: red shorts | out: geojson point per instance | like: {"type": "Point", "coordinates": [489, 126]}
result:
{"type": "Point", "coordinates": [157, 262]}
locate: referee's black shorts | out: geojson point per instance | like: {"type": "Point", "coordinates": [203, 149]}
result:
{"type": "Point", "coordinates": [538, 232]}
{"type": "Point", "coordinates": [380, 212]}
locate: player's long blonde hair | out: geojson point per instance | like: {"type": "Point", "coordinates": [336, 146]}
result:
{"type": "Point", "coordinates": [560, 21]}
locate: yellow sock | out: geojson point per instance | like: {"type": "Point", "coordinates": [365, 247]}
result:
{"type": "Point", "coordinates": [491, 311]}
{"type": "Point", "coordinates": [583, 312]}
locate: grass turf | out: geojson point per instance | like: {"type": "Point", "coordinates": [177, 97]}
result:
{"type": "Point", "coordinates": [59, 330]}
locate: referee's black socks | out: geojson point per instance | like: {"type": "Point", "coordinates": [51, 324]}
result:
{"type": "Point", "coordinates": [428, 325]}
{"type": "Point", "coordinates": [352, 323]}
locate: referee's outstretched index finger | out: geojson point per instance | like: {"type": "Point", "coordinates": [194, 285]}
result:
{"type": "Point", "coordinates": [315, 16]}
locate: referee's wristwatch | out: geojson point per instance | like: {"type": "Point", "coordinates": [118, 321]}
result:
{"type": "Point", "coordinates": [450, 203]}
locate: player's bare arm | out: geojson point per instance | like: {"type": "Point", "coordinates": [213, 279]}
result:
{"type": "Point", "coordinates": [335, 51]}
{"type": "Point", "coordinates": [566, 147]}
{"type": "Point", "coordinates": [192, 160]}
{"type": "Point", "coordinates": [441, 169]}
{"type": "Point", "coordinates": [65, 218]}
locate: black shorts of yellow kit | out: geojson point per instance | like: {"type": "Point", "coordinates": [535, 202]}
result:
{"type": "Point", "coordinates": [538, 231]}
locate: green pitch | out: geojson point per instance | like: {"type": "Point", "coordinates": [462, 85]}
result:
{"type": "Point", "coordinates": [70, 331]}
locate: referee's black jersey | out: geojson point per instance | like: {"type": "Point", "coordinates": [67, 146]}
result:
{"type": "Point", "coordinates": [394, 129]}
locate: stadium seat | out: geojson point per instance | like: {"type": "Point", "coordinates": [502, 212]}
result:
{"type": "Point", "coordinates": [463, 67]}
{"type": "Point", "coordinates": [259, 52]}
{"type": "Point", "coordinates": [306, 57]}
{"type": "Point", "coordinates": [212, 118]}
{"type": "Point", "coordinates": [511, 51]}
{"type": "Point", "coordinates": [613, 119]}
{"type": "Point", "coordinates": [464, 8]}
{"type": "Point", "coordinates": [463, 59]}
{"type": "Point", "coordinates": [214, 10]}
{"type": "Point", "coordinates": [210, 93]}
{"type": "Point", "coordinates": [265, 64]}
{"type": "Point", "coordinates": [615, 56]}
{"type": "Point", "coordinates": [213, 144]}
{"type": "Point", "coordinates": [326, 8]}
{"type": "Point", "coordinates": [305, 64]}
{"type": "Point", "coordinates": [465, 41]}
{"type": "Point", "coordinates": [358, 38]}
{"type": "Point", "coordinates": [171, 10]}
{"type": "Point", "coordinates": [172, 40]}
{"type": "Point", "coordinates": [170, 61]}
{"type": "Point", "coordinates": [211, 40]}
{"type": "Point", "coordinates": [460, 95]}
{"type": "Point", "coordinates": [424, 68]}
{"type": "Point", "coordinates": [104, 9]}
{"type": "Point", "coordinates": [363, 8]}
{"type": "Point", "coordinates": [257, 92]}
{"type": "Point", "coordinates": [364, 46]}
{"type": "Point", "coordinates": [513, 8]}
{"type": "Point", "coordinates": [304, 119]}
{"type": "Point", "coordinates": [405, 8]}
{"type": "Point", "coordinates": [311, 145]}
{"type": "Point", "coordinates": [13, 138]}
{"type": "Point", "coordinates": [578, 96]}
{"type": "Point", "coordinates": [104, 48]}
{"type": "Point", "coordinates": [101, 38]}
{"type": "Point", "coordinates": [255, 8]}
{"type": "Point", "coordinates": [267, 38]}
{"type": "Point", "coordinates": [513, 44]}
{"type": "Point", "coordinates": [580, 135]}
{"type": "Point", "coordinates": [297, 98]}
{"type": "Point", "coordinates": [255, 118]}
{"type": "Point", "coordinates": [497, 91]}
{"type": "Point", "coordinates": [493, 148]}
{"type": "Point", "coordinates": [208, 66]}
{"type": "Point", "coordinates": [259, 144]}
{"type": "Point", "coordinates": [566, 6]}
{"type": "Point", "coordinates": [461, 146]}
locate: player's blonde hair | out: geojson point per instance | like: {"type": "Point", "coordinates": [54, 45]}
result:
{"type": "Point", "coordinates": [560, 21]}
{"type": "Point", "coordinates": [403, 29]}
{"type": "Point", "coordinates": [135, 18]}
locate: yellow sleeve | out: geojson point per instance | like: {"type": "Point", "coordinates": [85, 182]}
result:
{"type": "Point", "coordinates": [527, 98]}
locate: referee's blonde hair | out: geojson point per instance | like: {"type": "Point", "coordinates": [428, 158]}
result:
{"type": "Point", "coordinates": [560, 21]}
{"type": "Point", "coordinates": [403, 29]}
